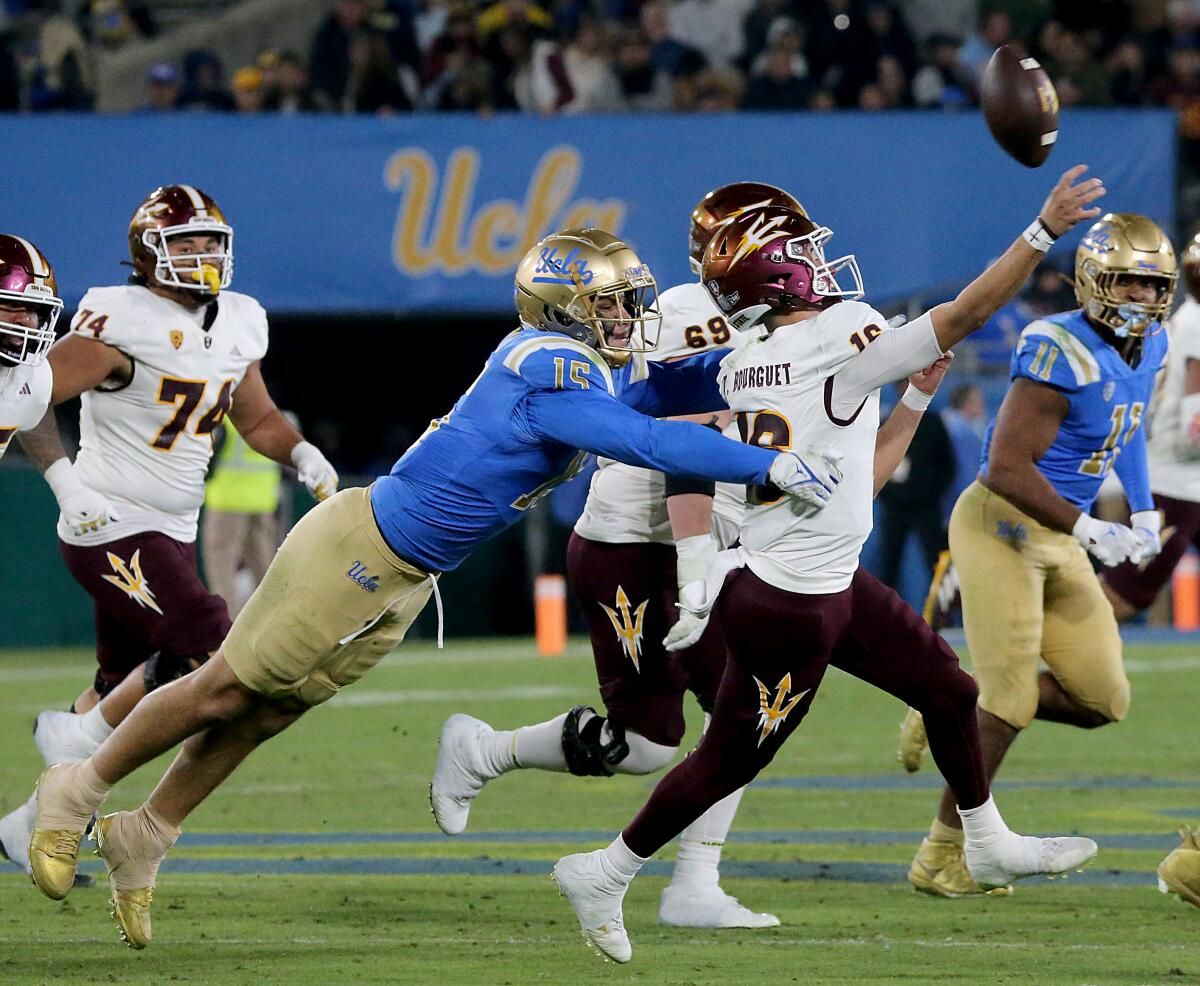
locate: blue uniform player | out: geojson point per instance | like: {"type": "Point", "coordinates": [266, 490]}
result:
{"type": "Point", "coordinates": [1021, 534]}
{"type": "Point", "coordinates": [356, 571]}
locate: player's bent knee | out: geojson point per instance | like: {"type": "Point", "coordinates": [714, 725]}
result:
{"type": "Point", "coordinates": [645, 756]}
{"type": "Point", "coordinates": [1114, 710]}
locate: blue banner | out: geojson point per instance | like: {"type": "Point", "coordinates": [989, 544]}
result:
{"type": "Point", "coordinates": [429, 214]}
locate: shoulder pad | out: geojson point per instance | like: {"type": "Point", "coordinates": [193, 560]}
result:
{"type": "Point", "coordinates": [549, 361]}
{"type": "Point", "coordinates": [1051, 353]}
{"type": "Point", "coordinates": [107, 314]}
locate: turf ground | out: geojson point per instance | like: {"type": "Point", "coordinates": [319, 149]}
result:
{"type": "Point", "coordinates": [318, 862]}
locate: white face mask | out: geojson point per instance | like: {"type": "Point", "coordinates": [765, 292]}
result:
{"type": "Point", "coordinates": [32, 343]}
{"type": "Point", "coordinates": [205, 272]}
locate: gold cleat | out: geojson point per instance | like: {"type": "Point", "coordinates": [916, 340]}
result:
{"type": "Point", "coordinates": [940, 869]}
{"type": "Point", "coordinates": [53, 856]}
{"type": "Point", "coordinates": [1179, 873]}
{"type": "Point", "coordinates": [129, 908]}
{"type": "Point", "coordinates": [913, 741]}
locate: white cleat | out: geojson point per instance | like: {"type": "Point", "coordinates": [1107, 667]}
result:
{"type": "Point", "coordinates": [60, 738]}
{"type": "Point", "coordinates": [16, 828]}
{"type": "Point", "coordinates": [459, 775]}
{"type": "Point", "coordinates": [596, 899]}
{"type": "Point", "coordinates": [709, 907]}
{"type": "Point", "coordinates": [1012, 857]}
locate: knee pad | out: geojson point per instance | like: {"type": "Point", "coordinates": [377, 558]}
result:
{"type": "Point", "coordinates": [585, 749]}
{"type": "Point", "coordinates": [163, 667]}
{"type": "Point", "coordinates": [101, 684]}
{"type": "Point", "coordinates": [645, 756]}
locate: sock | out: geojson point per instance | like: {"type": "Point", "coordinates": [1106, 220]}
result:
{"type": "Point", "coordinates": [700, 845]}
{"type": "Point", "coordinates": [94, 726]}
{"type": "Point", "coordinates": [498, 753]}
{"type": "Point", "coordinates": [68, 796]}
{"type": "Point", "coordinates": [155, 829]}
{"type": "Point", "coordinates": [941, 832]}
{"type": "Point", "coordinates": [142, 838]}
{"type": "Point", "coordinates": [619, 862]}
{"type": "Point", "coordinates": [540, 746]}
{"type": "Point", "coordinates": [982, 824]}
{"type": "Point", "coordinates": [91, 786]}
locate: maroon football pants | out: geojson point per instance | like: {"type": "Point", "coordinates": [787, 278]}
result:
{"type": "Point", "coordinates": [628, 594]}
{"type": "Point", "coordinates": [780, 644]}
{"type": "Point", "coordinates": [1140, 586]}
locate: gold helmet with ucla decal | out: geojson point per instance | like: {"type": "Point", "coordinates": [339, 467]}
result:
{"type": "Point", "coordinates": [591, 286]}
{"type": "Point", "coordinates": [1122, 245]}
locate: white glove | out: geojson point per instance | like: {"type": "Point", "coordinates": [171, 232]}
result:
{"type": "Point", "coordinates": [82, 508]}
{"type": "Point", "coordinates": [692, 558]}
{"type": "Point", "coordinates": [696, 599]}
{"type": "Point", "coordinates": [807, 475]}
{"type": "Point", "coordinates": [1147, 531]}
{"type": "Point", "coordinates": [1110, 543]}
{"type": "Point", "coordinates": [315, 471]}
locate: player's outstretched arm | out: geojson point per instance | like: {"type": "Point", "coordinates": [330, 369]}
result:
{"type": "Point", "coordinates": [268, 432]}
{"type": "Point", "coordinates": [896, 434]}
{"type": "Point", "coordinates": [1068, 204]}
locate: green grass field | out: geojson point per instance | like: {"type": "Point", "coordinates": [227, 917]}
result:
{"type": "Point", "coordinates": [318, 862]}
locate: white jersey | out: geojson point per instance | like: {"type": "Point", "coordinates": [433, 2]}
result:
{"type": "Point", "coordinates": [627, 504]}
{"type": "Point", "coordinates": [816, 384]}
{"type": "Point", "coordinates": [24, 397]}
{"type": "Point", "coordinates": [146, 446]}
{"type": "Point", "coordinates": [1174, 460]}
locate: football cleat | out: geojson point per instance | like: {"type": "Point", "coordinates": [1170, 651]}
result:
{"type": "Point", "coordinates": [940, 869]}
{"type": "Point", "coordinates": [57, 829]}
{"type": "Point", "coordinates": [596, 899]}
{"type": "Point", "coordinates": [1010, 857]}
{"type": "Point", "coordinates": [60, 738]}
{"type": "Point", "coordinates": [16, 829]}
{"type": "Point", "coordinates": [459, 775]}
{"type": "Point", "coordinates": [913, 741]}
{"type": "Point", "coordinates": [131, 876]}
{"type": "Point", "coordinates": [710, 907]}
{"type": "Point", "coordinates": [1179, 873]}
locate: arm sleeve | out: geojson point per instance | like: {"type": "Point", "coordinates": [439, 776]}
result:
{"type": "Point", "coordinates": [595, 422]}
{"type": "Point", "coordinates": [893, 355]}
{"type": "Point", "coordinates": [1134, 473]}
{"type": "Point", "coordinates": [685, 386]}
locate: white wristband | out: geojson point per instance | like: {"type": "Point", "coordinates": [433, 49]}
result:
{"type": "Point", "coordinates": [916, 398]}
{"type": "Point", "coordinates": [1038, 236]}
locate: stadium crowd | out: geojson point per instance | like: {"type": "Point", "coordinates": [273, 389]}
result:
{"type": "Point", "coordinates": [587, 56]}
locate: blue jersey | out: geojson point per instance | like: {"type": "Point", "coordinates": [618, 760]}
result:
{"type": "Point", "coordinates": [525, 425]}
{"type": "Point", "coordinates": [1108, 400]}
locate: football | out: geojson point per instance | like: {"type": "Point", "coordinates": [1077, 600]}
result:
{"type": "Point", "coordinates": [1020, 105]}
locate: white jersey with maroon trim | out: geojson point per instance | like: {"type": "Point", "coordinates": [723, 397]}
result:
{"type": "Point", "coordinates": [1174, 460]}
{"type": "Point", "coordinates": [24, 397]}
{"type": "Point", "coordinates": [627, 504]}
{"type": "Point", "coordinates": [815, 384]}
{"type": "Point", "coordinates": [146, 446]}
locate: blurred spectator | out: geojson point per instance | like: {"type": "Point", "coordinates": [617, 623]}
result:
{"type": "Point", "coordinates": [1127, 66]}
{"type": "Point", "coordinates": [290, 93]}
{"type": "Point", "coordinates": [672, 56]}
{"type": "Point", "coordinates": [945, 82]}
{"type": "Point", "coordinates": [466, 86]}
{"type": "Point", "coordinates": [456, 38]}
{"type": "Point", "coordinates": [540, 84]}
{"type": "Point", "coordinates": [203, 82]}
{"type": "Point", "coordinates": [111, 23]}
{"type": "Point", "coordinates": [61, 75]}
{"type": "Point", "coordinates": [777, 85]}
{"type": "Point", "coordinates": [593, 82]}
{"type": "Point", "coordinates": [1050, 292]}
{"type": "Point", "coordinates": [890, 37]}
{"type": "Point", "coordinates": [1079, 78]}
{"type": "Point", "coordinates": [785, 34]}
{"type": "Point", "coordinates": [965, 420]}
{"type": "Point", "coordinates": [644, 86]}
{"type": "Point", "coordinates": [927, 18]}
{"type": "Point", "coordinates": [162, 89]}
{"type": "Point", "coordinates": [892, 82]}
{"type": "Point", "coordinates": [712, 27]}
{"type": "Point", "coordinates": [505, 12]}
{"type": "Point", "coordinates": [249, 93]}
{"type": "Point", "coordinates": [995, 29]}
{"type": "Point", "coordinates": [329, 59]}
{"type": "Point", "coordinates": [758, 23]}
{"type": "Point", "coordinates": [870, 98]}
{"type": "Point", "coordinates": [374, 84]}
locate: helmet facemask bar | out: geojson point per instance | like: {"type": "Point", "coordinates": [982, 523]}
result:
{"type": "Point", "coordinates": [32, 343]}
{"type": "Point", "coordinates": [834, 279]}
{"type": "Point", "coordinates": [206, 272]}
{"type": "Point", "coordinates": [1128, 318]}
{"type": "Point", "coordinates": [636, 294]}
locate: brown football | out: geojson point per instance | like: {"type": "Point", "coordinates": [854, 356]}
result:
{"type": "Point", "coordinates": [1020, 105]}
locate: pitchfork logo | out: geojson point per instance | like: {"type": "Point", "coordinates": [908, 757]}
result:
{"type": "Point", "coordinates": [765, 230]}
{"type": "Point", "coordinates": [130, 580]}
{"type": "Point", "coordinates": [772, 711]}
{"type": "Point", "coordinates": [629, 626]}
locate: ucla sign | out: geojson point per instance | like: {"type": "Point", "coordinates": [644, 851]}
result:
{"type": "Point", "coordinates": [427, 214]}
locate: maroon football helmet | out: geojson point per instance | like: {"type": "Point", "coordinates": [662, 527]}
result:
{"type": "Point", "coordinates": [727, 201]}
{"type": "Point", "coordinates": [1191, 266]}
{"type": "Point", "coordinates": [772, 260]}
{"type": "Point", "coordinates": [26, 281]}
{"type": "Point", "coordinates": [174, 211]}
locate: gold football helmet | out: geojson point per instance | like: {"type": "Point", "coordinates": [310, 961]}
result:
{"type": "Point", "coordinates": [1124, 244]}
{"type": "Point", "coordinates": [590, 286]}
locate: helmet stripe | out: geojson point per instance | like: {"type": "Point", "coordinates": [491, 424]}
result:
{"type": "Point", "coordinates": [36, 263]}
{"type": "Point", "coordinates": [197, 199]}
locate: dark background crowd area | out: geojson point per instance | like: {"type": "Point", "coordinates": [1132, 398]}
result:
{"type": "Point", "coordinates": [607, 56]}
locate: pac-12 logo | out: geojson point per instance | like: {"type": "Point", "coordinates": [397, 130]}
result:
{"type": "Point", "coordinates": [571, 269]}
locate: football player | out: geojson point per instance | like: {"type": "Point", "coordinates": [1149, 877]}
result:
{"type": "Point", "coordinates": [797, 600]}
{"type": "Point", "coordinates": [643, 536]}
{"type": "Point", "coordinates": [357, 570]}
{"type": "Point", "coordinates": [159, 362]}
{"type": "Point", "coordinates": [1020, 536]}
{"type": "Point", "coordinates": [29, 310]}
